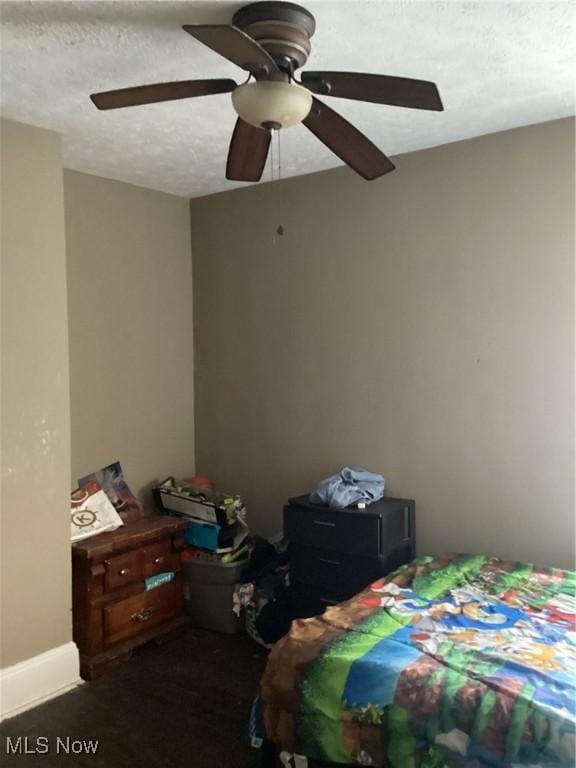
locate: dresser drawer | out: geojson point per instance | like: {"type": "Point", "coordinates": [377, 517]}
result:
{"type": "Point", "coordinates": [158, 558]}
{"type": "Point", "coordinates": [137, 614]}
{"type": "Point", "coordinates": [352, 532]}
{"type": "Point", "coordinates": [313, 600]}
{"type": "Point", "coordinates": [342, 574]}
{"type": "Point", "coordinates": [121, 570]}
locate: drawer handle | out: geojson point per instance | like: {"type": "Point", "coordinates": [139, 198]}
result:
{"type": "Point", "coordinates": [324, 522]}
{"type": "Point", "coordinates": [406, 511]}
{"type": "Point", "coordinates": [158, 560]}
{"type": "Point", "coordinates": [142, 615]}
{"type": "Point", "coordinates": [124, 571]}
{"type": "Point", "coordinates": [328, 561]}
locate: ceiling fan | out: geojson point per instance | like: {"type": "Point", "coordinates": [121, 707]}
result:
{"type": "Point", "coordinates": [271, 40]}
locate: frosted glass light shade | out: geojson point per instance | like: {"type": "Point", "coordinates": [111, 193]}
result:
{"type": "Point", "coordinates": [272, 104]}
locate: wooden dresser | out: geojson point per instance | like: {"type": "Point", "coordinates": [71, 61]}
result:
{"type": "Point", "coordinates": [113, 611]}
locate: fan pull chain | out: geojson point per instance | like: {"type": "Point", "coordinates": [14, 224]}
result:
{"type": "Point", "coordinates": [272, 158]}
{"type": "Point", "coordinates": [280, 228]}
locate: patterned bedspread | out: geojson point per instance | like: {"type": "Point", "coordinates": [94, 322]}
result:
{"type": "Point", "coordinates": [459, 660]}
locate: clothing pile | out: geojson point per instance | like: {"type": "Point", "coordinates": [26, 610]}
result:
{"type": "Point", "coordinates": [263, 594]}
{"type": "Point", "coordinates": [350, 487]}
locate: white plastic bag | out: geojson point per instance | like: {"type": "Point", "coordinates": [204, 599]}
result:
{"type": "Point", "coordinates": [91, 512]}
{"type": "Point", "coordinates": [293, 761]}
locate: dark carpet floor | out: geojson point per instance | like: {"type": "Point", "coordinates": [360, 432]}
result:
{"type": "Point", "coordinates": [182, 704]}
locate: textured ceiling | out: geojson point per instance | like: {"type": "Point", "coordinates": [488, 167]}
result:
{"type": "Point", "coordinates": [497, 65]}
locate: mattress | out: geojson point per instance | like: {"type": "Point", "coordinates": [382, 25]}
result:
{"type": "Point", "coordinates": [457, 660]}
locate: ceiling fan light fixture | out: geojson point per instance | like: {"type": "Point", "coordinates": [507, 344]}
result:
{"type": "Point", "coordinates": [271, 40]}
{"type": "Point", "coordinates": [271, 103]}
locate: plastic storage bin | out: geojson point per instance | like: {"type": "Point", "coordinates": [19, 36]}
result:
{"type": "Point", "coordinates": [208, 588]}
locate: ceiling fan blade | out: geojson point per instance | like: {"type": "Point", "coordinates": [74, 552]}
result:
{"type": "Point", "coordinates": [151, 94]}
{"type": "Point", "coordinates": [381, 89]}
{"type": "Point", "coordinates": [347, 142]}
{"type": "Point", "coordinates": [234, 45]}
{"type": "Point", "coordinates": [248, 152]}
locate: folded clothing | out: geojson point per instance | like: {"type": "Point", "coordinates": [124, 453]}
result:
{"type": "Point", "coordinates": [350, 486]}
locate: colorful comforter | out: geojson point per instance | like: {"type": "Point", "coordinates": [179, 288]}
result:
{"type": "Point", "coordinates": [458, 660]}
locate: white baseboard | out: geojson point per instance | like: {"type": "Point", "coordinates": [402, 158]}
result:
{"type": "Point", "coordinates": [38, 679]}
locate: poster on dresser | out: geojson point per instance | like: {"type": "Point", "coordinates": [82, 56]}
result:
{"type": "Point", "coordinates": [112, 481]}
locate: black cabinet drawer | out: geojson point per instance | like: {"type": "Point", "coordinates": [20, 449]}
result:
{"type": "Point", "coordinates": [352, 532]}
{"type": "Point", "coordinates": [336, 553]}
{"type": "Point", "coordinates": [337, 573]}
{"type": "Point", "coordinates": [313, 601]}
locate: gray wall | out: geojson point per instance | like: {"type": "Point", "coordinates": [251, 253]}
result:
{"type": "Point", "coordinates": [421, 325]}
{"type": "Point", "coordinates": [35, 452]}
{"type": "Point", "coordinates": [131, 353]}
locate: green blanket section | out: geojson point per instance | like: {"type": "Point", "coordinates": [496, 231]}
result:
{"type": "Point", "coordinates": [320, 733]}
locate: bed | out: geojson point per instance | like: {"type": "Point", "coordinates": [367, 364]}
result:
{"type": "Point", "coordinates": [458, 660]}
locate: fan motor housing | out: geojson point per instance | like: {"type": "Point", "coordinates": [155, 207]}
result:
{"type": "Point", "coordinates": [282, 29]}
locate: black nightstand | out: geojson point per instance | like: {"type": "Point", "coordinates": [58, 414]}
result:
{"type": "Point", "coordinates": [335, 553]}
